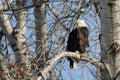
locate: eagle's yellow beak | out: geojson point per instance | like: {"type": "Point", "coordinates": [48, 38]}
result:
{"type": "Point", "coordinates": [79, 24]}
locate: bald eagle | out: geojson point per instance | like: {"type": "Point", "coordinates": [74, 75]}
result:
{"type": "Point", "coordinates": [78, 41]}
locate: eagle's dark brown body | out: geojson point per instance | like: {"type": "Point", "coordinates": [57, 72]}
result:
{"type": "Point", "coordinates": [77, 41]}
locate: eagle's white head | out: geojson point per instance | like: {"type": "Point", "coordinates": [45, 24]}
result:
{"type": "Point", "coordinates": [81, 23]}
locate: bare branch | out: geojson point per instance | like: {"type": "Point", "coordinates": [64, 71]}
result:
{"type": "Point", "coordinates": [57, 17]}
{"type": "Point", "coordinates": [5, 5]}
{"type": "Point", "coordinates": [52, 62]}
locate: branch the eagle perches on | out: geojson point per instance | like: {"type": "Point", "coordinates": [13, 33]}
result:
{"type": "Point", "coordinates": [54, 59]}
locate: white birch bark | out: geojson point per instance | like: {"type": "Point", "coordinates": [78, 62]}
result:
{"type": "Point", "coordinates": [22, 55]}
{"type": "Point", "coordinates": [16, 37]}
{"type": "Point", "coordinates": [110, 33]}
{"type": "Point", "coordinates": [7, 30]}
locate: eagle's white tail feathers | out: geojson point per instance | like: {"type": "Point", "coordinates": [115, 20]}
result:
{"type": "Point", "coordinates": [74, 64]}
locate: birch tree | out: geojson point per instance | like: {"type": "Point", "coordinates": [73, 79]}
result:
{"type": "Point", "coordinates": [110, 38]}
{"type": "Point", "coordinates": [16, 37]}
{"type": "Point", "coordinates": [41, 33]}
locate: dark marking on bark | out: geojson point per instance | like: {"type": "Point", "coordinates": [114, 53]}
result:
{"type": "Point", "coordinates": [14, 47]}
{"type": "Point", "coordinates": [14, 33]}
{"type": "Point", "coordinates": [1, 35]}
{"type": "Point", "coordinates": [118, 74]}
{"type": "Point", "coordinates": [100, 38]}
{"type": "Point", "coordinates": [23, 43]}
{"type": "Point", "coordinates": [111, 3]}
{"type": "Point", "coordinates": [104, 72]}
{"type": "Point", "coordinates": [97, 8]}
{"type": "Point", "coordinates": [40, 74]}
{"type": "Point", "coordinates": [114, 49]}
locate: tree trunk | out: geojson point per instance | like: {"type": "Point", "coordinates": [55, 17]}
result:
{"type": "Point", "coordinates": [110, 38]}
{"type": "Point", "coordinates": [41, 34]}
{"type": "Point", "coordinates": [16, 37]}
{"type": "Point", "coordinates": [22, 55]}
